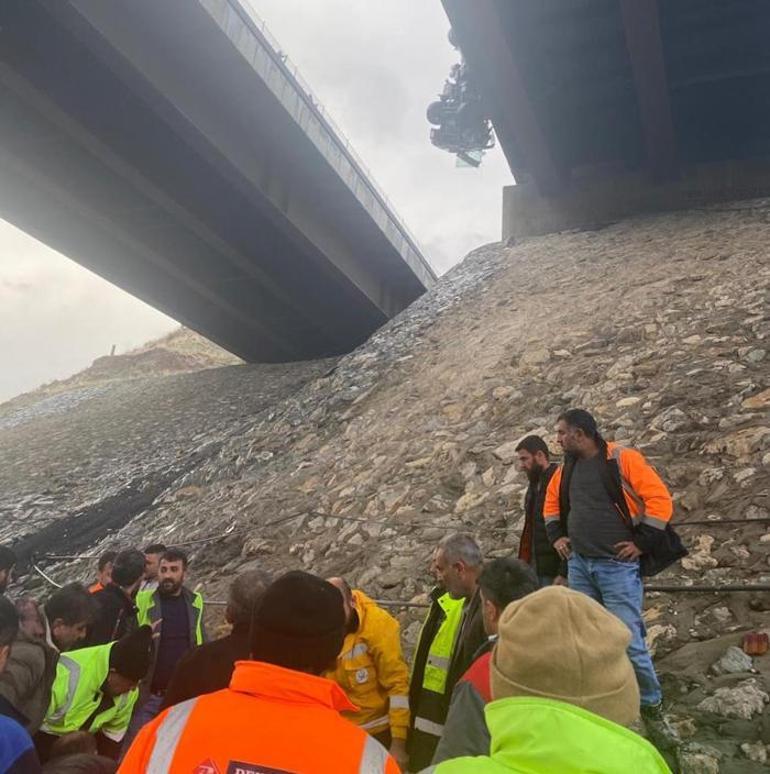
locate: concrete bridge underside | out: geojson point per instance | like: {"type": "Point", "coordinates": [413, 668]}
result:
{"type": "Point", "coordinates": [163, 146]}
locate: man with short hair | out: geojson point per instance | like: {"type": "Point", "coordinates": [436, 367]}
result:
{"type": "Point", "coordinates": [563, 693]}
{"type": "Point", "coordinates": [605, 507]}
{"type": "Point", "coordinates": [534, 546]}
{"type": "Point", "coordinates": [371, 670]}
{"type": "Point", "coordinates": [210, 666]}
{"type": "Point", "coordinates": [7, 565]}
{"type": "Point", "coordinates": [152, 555]}
{"type": "Point", "coordinates": [116, 613]}
{"type": "Point", "coordinates": [501, 582]}
{"type": "Point", "coordinates": [176, 616]}
{"type": "Point", "coordinates": [278, 714]}
{"type": "Point", "coordinates": [95, 691]}
{"type": "Point", "coordinates": [450, 637]}
{"type": "Point", "coordinates": [104, 571]}
{"type": "Point", "coordinates": [57, 626]}
{"type": "Point", "coordinates": [17, 753]}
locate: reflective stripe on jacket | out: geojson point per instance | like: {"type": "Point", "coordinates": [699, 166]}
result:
{"type": "Point", "coordinates": [78, 691]}
{"type": "Point", "coordinates": [440, 650]}
{"type": "Point", "coordinates": [148, 612]}
{"type": "Point", "coordinates": [269, 719]}
{"type": "Point", "coordinates": [372, 671]}
{"type": "Point", "coordinates": [428, 696]}
{"type": "Point", "coordinates": [647, 497]}
{"type": "Point", "coordinates": [541, 736]}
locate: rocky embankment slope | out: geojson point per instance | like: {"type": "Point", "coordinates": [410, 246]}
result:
{"type": "Point", "coordinates": [659, 325]}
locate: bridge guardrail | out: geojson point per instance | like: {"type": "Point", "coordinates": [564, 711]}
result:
{"type": "Point", "coordinates": [251, 16]}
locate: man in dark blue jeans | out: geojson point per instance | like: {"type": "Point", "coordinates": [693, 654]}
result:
{"type": "Point", "coordinates": [603, 525]}
{"type": "Point", "coordinates": [176, 615]}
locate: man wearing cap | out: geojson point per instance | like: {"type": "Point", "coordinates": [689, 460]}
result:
{"type": "Point", "coordinates": [371, 670]}
{"type": "Point", "coordinates": [95, 690]}
{"type": "Point", "coordinates": [563, 693]}
{"type": "Point", "coordinates": [278, 714]}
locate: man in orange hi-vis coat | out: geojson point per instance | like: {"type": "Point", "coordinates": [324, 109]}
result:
{"type": "Point", "coordinates": [607, 512]}
{"type": "Point", "coordinates": [278, 716]}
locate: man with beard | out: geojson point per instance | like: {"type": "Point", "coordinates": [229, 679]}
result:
{"type": "Point", "coordinates": [176, 616]}
{"type": "Point", "coordinates": [209, 668]}
{"type": "Point", "coordinates": [7, 563]}
{"type": "Point", "coordinates": [371, 670]}
{"type": "Point", "coordinates": [534, 547]}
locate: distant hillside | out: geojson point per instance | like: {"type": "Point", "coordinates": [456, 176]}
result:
{"type": "Point", "coordinates": [181, 351]}
{"type": "Point", "coordinates": [659, 325]}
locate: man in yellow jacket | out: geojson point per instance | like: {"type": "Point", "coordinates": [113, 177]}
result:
{"type": "Point", "coordinates": [372, 671]}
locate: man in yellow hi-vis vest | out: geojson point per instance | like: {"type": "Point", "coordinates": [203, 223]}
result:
{"type": "Point", "coordinates": [450, 637]}
{"type": "Point", "coordinates": [95, 690]}
{"type": "Point", "coordinates": [176, 616]}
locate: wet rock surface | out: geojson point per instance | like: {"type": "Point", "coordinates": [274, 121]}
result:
{"type": "Point", "coordinates": [659, 325]}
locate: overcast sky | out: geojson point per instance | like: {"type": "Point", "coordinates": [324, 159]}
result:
{"type": "Point", "coordinates": [375, 66]}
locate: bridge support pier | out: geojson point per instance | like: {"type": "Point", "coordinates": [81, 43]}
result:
{"type": "Point", "coordinates": [592, 202]}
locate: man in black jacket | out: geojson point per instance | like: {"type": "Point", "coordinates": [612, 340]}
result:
{"type": "Point", "coordinates": [116, 614]}
{"type": "Point", "coordinates": [534, 547]}
{"type": "Point", "coordinates": [452, 634]}
{"type": "Point", "coordinates": [209, 667]}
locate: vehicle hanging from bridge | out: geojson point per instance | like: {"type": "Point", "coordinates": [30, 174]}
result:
{"type": "Point", "coordinates": [460, 123]}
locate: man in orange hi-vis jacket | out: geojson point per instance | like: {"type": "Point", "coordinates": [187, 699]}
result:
{"type": "Point", "coordinates": [278, 715]}
{"type": "Point", "coordinates": [605, 508]}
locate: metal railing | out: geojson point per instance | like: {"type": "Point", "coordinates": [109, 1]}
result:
{"type": "Point", "coordinates": [251, 17]}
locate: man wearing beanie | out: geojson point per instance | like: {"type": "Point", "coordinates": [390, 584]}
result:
{"type": "Point", "coordinates": [563, 692]}
{"type": "Point", "coordinates": [95, 690]}
{"type": "Point", "coordinates": [278, 714]}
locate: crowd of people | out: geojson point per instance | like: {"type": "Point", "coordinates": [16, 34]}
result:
{"type": "Point", "coordinates": [535, 663]}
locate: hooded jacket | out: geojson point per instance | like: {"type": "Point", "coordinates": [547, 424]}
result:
{"type": "Point", "coordinates": [542, 736]}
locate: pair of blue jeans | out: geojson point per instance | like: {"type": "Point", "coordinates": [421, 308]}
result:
{"type": "Point", "coordinates": [618, 587]}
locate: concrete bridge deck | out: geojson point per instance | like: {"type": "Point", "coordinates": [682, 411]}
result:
{"type": "Point", "coordinates": [171, 148]}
